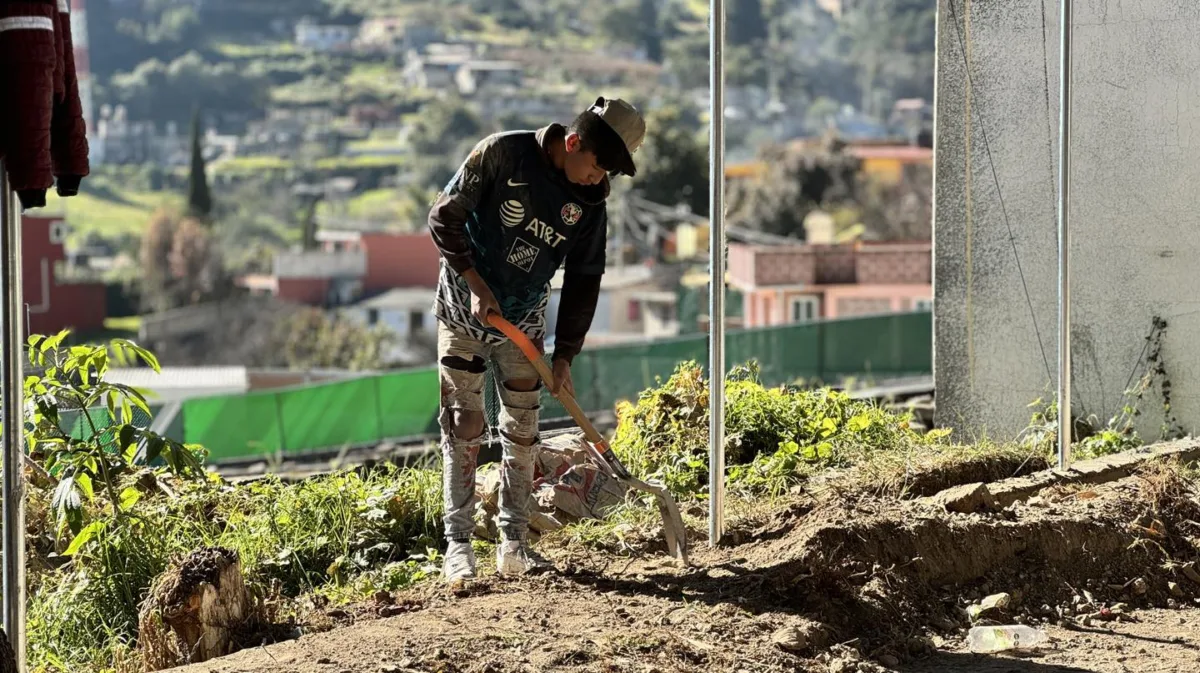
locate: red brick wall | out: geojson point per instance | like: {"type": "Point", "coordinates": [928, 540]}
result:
{"type": "Point", "coordinates": [52, 307]}
{"type": "Point", "coordinates": [400, 260]}
{"type": "Point", "coordinates": [835, 264]}
{"type": "Point", "coordinates": [310, 291]}
{"type": "Point", "coordinates": [895, 264]}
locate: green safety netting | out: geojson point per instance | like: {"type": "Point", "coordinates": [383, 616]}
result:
{"type": "Point", "coordinates": [405, 404]}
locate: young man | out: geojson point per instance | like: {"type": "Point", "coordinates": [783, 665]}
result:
{"type": "Point", "coordinates": [523, 204]}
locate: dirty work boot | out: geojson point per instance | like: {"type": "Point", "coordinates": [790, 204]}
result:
{"type": "Point", "coordinates": [516, 557]}
{"type": "Point", "coordinates": [460, 562]}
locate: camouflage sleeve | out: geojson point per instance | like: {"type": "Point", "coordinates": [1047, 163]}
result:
{"type": "Point", "coordinates": [448, 217]}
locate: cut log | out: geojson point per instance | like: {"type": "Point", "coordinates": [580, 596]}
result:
{"type": "Point", "coordinates": [195, 610]}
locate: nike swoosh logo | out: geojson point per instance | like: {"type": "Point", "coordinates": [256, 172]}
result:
{"type": "Point", "coordinates": [516, 184]}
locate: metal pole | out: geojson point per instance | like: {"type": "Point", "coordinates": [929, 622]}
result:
{"type": "Point", "coordinates": [1064, 239]}
{"type": "Point", "coordinates": [11, 388]}
{"type": "Point", "coordinates": [716, 251]}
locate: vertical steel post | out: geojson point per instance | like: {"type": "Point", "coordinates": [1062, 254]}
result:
{"type": "Point", "coordinates": [11, 389]}
{"type": "Point", "coordinates": [1064, 239]}
{"type": "Point", "coordinates": [716, 250]}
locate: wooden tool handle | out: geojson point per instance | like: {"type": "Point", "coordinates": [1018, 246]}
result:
{"type": "Point", "coordinates": [535, 357]}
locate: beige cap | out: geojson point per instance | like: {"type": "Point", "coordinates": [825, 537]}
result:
{"type": "Point", "coordinates": [627, 122]}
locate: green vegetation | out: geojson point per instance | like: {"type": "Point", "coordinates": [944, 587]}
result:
{"type": "Point", "coordinates": [381, 205]}
{"type": "Point", "coordinates": [111, 214]}
{"type": "Point", "coordinates": [99, 543]}
{"type": "Point", "coordinates": [776, 436]}
{"type": "Point", "coordinates": [131, 324]}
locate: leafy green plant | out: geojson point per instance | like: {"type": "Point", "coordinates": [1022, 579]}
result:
{"type": "Point", "coordinates": [775, 436]}
{"type": "Point", "coordinates": [1093, 438]}
{"type": "Point", "coordinates": [109, 446]}
{"type": "Point", "coordinates": [343, 536]}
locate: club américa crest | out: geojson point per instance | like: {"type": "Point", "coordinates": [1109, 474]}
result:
{"type": "Point", "coordinates": [571, 213]}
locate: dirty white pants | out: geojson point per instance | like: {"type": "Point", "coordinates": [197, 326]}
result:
{"type": "Point", "coordinates": [462, 368]}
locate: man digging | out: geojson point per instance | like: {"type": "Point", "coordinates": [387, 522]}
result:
{"type": "Point", "coordinates": [523, 204]}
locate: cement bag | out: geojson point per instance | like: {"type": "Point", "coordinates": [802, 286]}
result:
{"type": "Point", "coordinates": [567, 487]}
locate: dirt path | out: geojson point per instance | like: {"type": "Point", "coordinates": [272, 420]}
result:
{"type": "Point", "coordinates": [1163, 641]}
{"type": "Point", "coordinates": [854, 585]}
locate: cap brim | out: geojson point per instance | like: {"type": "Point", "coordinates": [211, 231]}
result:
{"type": "Point", "coordinates": [626, 166]}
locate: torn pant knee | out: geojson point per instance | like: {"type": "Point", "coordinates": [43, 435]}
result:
{"type": "Point", "coordinates": [459, 458]}
{"type": "Point", "coordinates": [519, 413]}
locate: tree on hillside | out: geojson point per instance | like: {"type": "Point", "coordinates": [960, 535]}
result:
{"type": "Point", "coordinates": [155, 252]}
{"type": "Point", "coordinates": [746, 23]}
{"type": "Point", "coordinates": [312, 339]}
{"type": "Point", "coordinates": [168, 90]}
{"type": "Point", "coordinates": [442, 126]}
{"type": "Point", "coordinates": [898, 212]}
{"type": "Point", "coordinates": [181, 263]}
{"type": "Point", "coordinates": [200, 202]}
{"type": "Point", "coordinates": [673, 163]}
{"type": "Point", "coordinates": [635, 22]}
{"type": "Point", "coordinates": [195, 264]}
{"type": "Point", "coordinates": [793, 184]}
{"type": "Point", "coordinates": [890, 43]}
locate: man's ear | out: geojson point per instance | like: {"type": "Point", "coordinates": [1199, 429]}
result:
{"type": "Point", "coordinates": [573, 142]}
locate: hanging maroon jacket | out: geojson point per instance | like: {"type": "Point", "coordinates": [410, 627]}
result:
{"type": "Point", "coordinates": [68, 132]}
{"type": "Point", "coordinates": [28, 58]}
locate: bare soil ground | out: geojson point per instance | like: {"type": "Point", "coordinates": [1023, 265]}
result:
{"type": "Point", "coordinates": [840, 584]}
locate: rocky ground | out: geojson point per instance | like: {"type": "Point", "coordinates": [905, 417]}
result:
{"type": "Point", "coordinates": [838, 583]}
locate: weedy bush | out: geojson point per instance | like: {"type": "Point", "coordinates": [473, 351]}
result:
{"type": "Point", "coordinates": [775, 436]}
{"type": "Point", "coordinates": [344, 536]}
{"type": "Point", "coordinates": [111, 503]}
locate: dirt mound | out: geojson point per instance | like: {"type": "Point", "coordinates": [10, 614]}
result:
{"type": "Point", "coordinates": [813, 587]}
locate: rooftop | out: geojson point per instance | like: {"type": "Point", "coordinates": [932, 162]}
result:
{"type": "Point", "coordinates": [178, 383]}
{"type": "Point", "coordinates": [401, 298]}
{"type": "Point", "coordinates": [615, 277]}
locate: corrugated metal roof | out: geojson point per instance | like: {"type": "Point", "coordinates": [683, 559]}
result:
{"type": "Point", "coordinates": [174, 378]}
{"type": "Point", "coordinates": [401, 297]}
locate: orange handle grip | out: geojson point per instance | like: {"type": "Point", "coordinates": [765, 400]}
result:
{"type": "Point", "coordinates": [523, 342]}
{"type": "Point", "coordinates": [535, 357]}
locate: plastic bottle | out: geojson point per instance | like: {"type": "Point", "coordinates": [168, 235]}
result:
{"type": "Point", "coordinates": [988, 639]}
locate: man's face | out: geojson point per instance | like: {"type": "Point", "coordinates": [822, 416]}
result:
{"type": "Point", "coordinates": [580, 166]}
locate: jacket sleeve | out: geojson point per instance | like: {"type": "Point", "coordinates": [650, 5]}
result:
{"type": "Point", "coordinates": [581, 288]}
{"type": "Point", "coordinates": [448, 217]}
{"type": "Point", "coordinates": [29, 57]}
{"type": "Point", "coordinates": [68, 131]}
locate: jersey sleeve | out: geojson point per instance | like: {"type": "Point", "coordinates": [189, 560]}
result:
{"type": "Point", "coordinates": [587, 257]}
{"type": "Point", "coordinates": [477, 174]}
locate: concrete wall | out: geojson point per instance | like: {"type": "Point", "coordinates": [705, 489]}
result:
{"type": "Point", "coordinates": [1135, 205]}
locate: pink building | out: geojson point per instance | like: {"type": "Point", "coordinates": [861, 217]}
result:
{"type": "Point", "coordinates": [349, 264]}
{"type": "Point", "coordinates": [804, 282]}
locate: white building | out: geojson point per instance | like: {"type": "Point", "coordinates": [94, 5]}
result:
{"type": "Point", "coordinates": [324, 37]}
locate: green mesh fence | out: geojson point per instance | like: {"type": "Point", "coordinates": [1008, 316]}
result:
{"type": "Point", "coordinates": [405, 404]}
{"type": "Point", "coordinates": [78, 425]}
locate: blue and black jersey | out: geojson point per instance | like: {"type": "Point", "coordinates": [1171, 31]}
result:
{"type": "Point", "coordinates": [521, 220]}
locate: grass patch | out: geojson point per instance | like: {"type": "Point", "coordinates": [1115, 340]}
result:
{"type": "Point", "coordinates": [380, 79]}
{"type": "Point", "coordinates": [387, 205]}
{"type": "Point", "coordinates": [238, 51]}
{"type": "Point", "coordinates": [352, 163]}
{"type": "Point", "coordinates": [253, 165]}
{"type": "Point", "coordinates": [309, 91]}
{"type": "Point", "coordinates": [125, 212]}
{"type": "Point", "coordinates": [379, 141]}
{"type": "Point", "coordinates": [343, 536]}
{"type": "Point", "coordinates": [130, 323]}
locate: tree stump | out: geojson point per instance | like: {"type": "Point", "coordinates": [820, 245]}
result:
{"type": "Point", "coordinates": [8, 658]}
{"type": "Point", "coordinates": [195, 610]}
